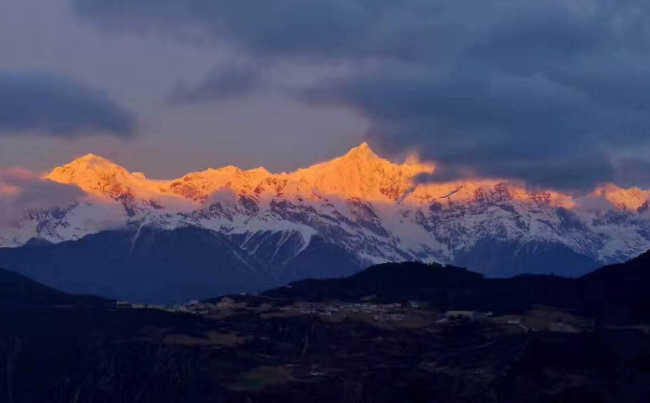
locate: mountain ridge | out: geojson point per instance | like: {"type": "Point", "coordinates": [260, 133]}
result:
{"type": "Point", "coordinates": [613, 294]}
{"type": "Point", "coordinates": [367, 208]}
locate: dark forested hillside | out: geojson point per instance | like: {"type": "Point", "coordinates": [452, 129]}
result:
{"type": "Point", "coordinates": [393, 333]}
{"type": "Point", "coordinates": [615, 293]}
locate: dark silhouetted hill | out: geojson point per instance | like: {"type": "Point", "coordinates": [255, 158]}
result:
{"type": "Point", "coordinates": [619, 292]}
{"type": "Point", "coordinates": [16, 289]}
{"type": "Point", "coordinates": [616, 293]}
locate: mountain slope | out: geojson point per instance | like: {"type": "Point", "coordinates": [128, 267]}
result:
{"type": "Point", "coordinates": [620, 290]}
{"type": "Point", "coordinates": [18, 290]}
{"type": "Point", "coordinates": [152, 265]}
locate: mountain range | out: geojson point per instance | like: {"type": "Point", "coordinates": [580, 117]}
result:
{"type": "Point", "coordinates": [227, 230]}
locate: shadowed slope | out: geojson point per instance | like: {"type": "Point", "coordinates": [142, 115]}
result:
{"type": "Point", "coordinates": [16, 289]}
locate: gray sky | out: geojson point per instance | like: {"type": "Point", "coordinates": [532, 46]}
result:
{"type": "Point", "coordinates": [45, 37]}
{"type": "Point", "coordinates": [554, 93]}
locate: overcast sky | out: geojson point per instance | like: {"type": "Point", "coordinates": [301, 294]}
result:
{"type": "Point", "coordinates": [554, 93]}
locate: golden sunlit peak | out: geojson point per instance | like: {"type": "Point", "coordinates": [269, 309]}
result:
{"type": "Point", "coordinates": [90, 157]}
{"type": "Point", "coordinates": [91, 160]}
{"type": "Point", "coordinates": [358, 173]}
{"type": "Point", "coordinates": [363, 146]}
{"type": "Point", "coordinates": [89, 173]}
{"type": "Point", "coordinates": [363, 150]}
{"type": "Point", "coordinates": [258, 171]}
{"type": "Point", "coordinates": [630, 199]}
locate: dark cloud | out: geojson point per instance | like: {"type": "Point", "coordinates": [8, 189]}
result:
{"type": "Point", "coordinates": [546, 92]}
{"type": "Point", "coordinates": [224, 83]}
{"type": "Point", "coordinates": [22, 192]}
{"type": "Point", "coordinates": [45, 104]}
{"type": "Point", "coordinates": [290, 27]}
{"type": "Point", "coordinates": [633, 172]}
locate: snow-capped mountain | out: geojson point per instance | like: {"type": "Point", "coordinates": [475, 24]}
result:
{"type": "Point", "coordinates": [359, 206]}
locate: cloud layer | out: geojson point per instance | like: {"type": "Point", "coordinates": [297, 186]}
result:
{"type": "Point", "coordinates": [22, 191]}
{"type": "Point", "coordinates": [45, 104]}
{"type": "Point", "coordinates": [552, 93]}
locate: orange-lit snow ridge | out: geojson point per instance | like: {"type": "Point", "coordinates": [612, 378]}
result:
{"type": "Point", "coordinates": [358, 174]}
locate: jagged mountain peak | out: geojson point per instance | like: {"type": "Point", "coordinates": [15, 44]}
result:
{"type": "Point", "coordinates": [358, 157]}
{"type": "Point", "coordinates": [90, 172]}
{"type": "Point", "coordinates": [360, 173]}
{"type": "Point", "coordinates": [362, 152]}
{"type": "Point", "coordinates": [259, 171]}
{"type": "Point", "coordinates": [89, 163]}
{"type": "Point", "coordinates": [91, 157]}
{"type": "Point", "coordinates": [92, 161]}
{"type": "Point", "coordinates": [99, 176]}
